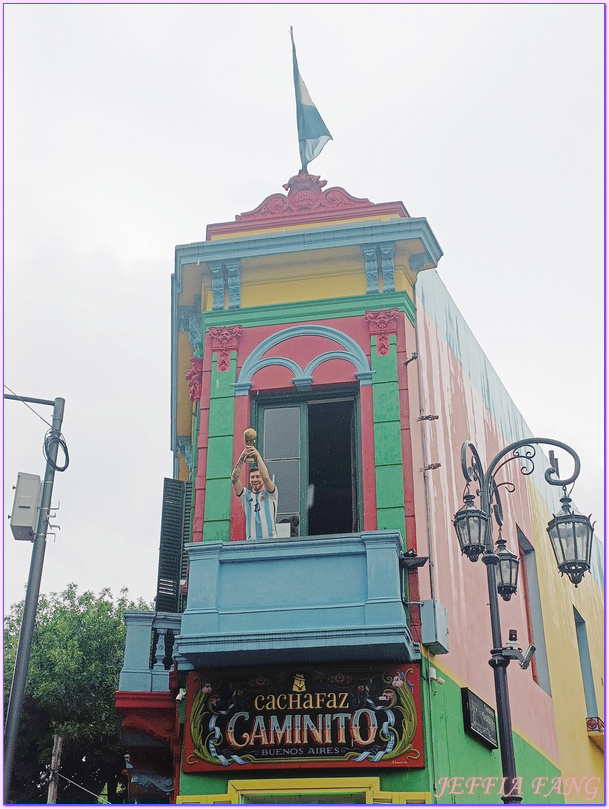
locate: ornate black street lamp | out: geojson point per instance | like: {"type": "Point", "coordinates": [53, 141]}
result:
{"type": "Point", "coordinates": [571, 537]}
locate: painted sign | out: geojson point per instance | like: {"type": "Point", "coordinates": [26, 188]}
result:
{"type": "Point", "coordinates": [479, 718]}
{"type": "Point", "coordinates": [305, 717]}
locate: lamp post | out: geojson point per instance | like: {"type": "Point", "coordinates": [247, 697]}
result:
{"type": "Point", "coordinates": [571, 537]}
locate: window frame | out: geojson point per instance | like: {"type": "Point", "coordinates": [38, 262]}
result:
{"type": "Point", "coordinates": [264, 400]}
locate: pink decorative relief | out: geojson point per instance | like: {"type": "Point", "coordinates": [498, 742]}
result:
{"type": "Point", "coordinates": [194, 376]}
{"type": "Point", "coordinates": [307, 201]}
{"type": "Point", "coordinates": [225, 339]}
{"type": "Point", "coordinates": [304, 194]}
{"type": "Point", "coordinates": [381, 325]}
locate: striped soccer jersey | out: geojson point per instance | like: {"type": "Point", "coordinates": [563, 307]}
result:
{"type": "Point", "coordinates": [260, 513]}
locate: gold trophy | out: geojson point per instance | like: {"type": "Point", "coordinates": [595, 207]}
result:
{"type": "Point", "coordinates": [249, 436]}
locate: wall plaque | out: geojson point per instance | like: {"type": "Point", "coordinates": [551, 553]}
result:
{"type": "Point", "coordinates": [479, 718]}
{"type": "Point", "coordinates": [305, 717]}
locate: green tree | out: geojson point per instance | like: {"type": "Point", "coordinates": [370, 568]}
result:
{"type": "Point", "coordinates": [77, 654]}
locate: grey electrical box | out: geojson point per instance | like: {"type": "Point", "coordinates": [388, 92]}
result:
{"type": "Point", "coordinates": [434, 627]}
{"type": "Point", "coordinates": [26, 505]}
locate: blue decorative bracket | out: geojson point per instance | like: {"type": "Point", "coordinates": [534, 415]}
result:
{"type": "Point", "coordinates": [189, 319]}
{"type": "Point", "coordinates": [388, 267]}
{"type": "Point", "coordinates": [371, 268]}
{"type": "Point", "coordinates": [225, 274]}
{"type": "Point", "coordinates": [233, 270]}
{"type": "Point", "coordinates": [217, 284]}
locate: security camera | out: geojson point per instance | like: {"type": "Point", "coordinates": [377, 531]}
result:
{"type": "Point", "coordinates": [527, 656]}
{"type": "Point", "coordinates": [181, 695]}
{"type": "Point", "coordinates": [433, 676]}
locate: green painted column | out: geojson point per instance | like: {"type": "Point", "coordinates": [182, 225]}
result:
{"type": "Point", "coordinates": [218, 488]}
{"type": "Point", "coordinates": [388, 439]}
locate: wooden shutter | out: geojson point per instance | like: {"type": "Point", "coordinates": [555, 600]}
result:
{"type": "Point", "coordinates": [175, 531]}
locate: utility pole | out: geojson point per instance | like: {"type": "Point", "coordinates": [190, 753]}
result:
{"type": "Point", "coordinates": [55, 764]}
{"type": "Point", "coordinates": [15, 705]}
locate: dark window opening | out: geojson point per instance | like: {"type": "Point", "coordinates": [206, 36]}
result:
{"type": "Point", "coordinates": [330, 468]}
{"type": "Point", "coordinates": [311, 452]}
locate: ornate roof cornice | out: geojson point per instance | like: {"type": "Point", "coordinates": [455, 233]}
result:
{"type": "Point", "coordinates": [306, 201]}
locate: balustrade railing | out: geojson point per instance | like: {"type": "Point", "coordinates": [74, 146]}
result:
{"type": "Point", "coordinates": [148, 650]}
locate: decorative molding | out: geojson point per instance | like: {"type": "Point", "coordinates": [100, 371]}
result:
{"type": "Point", "coordinates": [420, 261]}
{"type": "Point", "coordinates": [306, 201]}
{"type": "Point", "coordinates": [195, 334]}
{"type": "Point", "coordinates": [233, 271]}
{"type": "Point", "coordinates": [224, 339]}
{"type": "Point", "coordinates": [304, 194]}
{"type": "Point", "coordinates": [387, 266]}
{"type": "Point", "coordinates": [316, 311]}
{"type": "Point", "coordinates": [217, 284]}
{"type": "Point", "coordinates": [371, 268]}
{"type": "Point", "coordinates": [184, 447]}
{"type": "Point", "coordinates": [189, 319]}
{"type": "Point", "coordinates": [194, 378]}
{"type": "Point", "coordinates": [151, 782]}
{"type": "Point", "coordinates": [381, 325]}
{"type": "Point", "coordinates": [225, 274]}
{"type": "Point", "coordinates": [278, 241]}
{"type": "Point", "coordinates": [353, 353]}
{"type": "Point", "coordinates": [161, 726]}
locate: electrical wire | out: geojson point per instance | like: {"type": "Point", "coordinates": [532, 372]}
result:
{"type": "Point", "coordinates": [51, 438]}
{"type": "Point", "coordinates": [27, 405]}
{"type": "Point", "coordinates": [99, 798]}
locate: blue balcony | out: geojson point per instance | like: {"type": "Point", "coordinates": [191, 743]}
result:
{"type": "Point", "coordinates": [302, 599]}
{"type": "Point", "coordinates": [299, 599]}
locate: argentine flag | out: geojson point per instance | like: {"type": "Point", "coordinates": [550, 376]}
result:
{"type": "Point", "coordinates": [313, 134]}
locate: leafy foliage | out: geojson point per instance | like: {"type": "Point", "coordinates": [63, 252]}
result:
{"type": "Point", "coordinates": [77, 654]}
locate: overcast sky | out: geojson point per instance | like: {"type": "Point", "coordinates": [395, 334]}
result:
{"type": "Point", "coordinates": [128, 128]}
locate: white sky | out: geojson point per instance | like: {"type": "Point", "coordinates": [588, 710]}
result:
{"type": "Point", "coordinates": [128, 128]}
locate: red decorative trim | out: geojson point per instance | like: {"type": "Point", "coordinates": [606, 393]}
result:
{"type": "Point", "coordinates": [150, 713]}
{"type": "Point", "coordinates": [595, 724]}
{"type": "Point", "coordinates": [150, 724]}
{"type": "Point", "coordinates": [225, 339]}
{"type": "Point", "coordinates": [306, 202]}
{"type": "Point", "coordinates": [194, 376]}
{"type": "Point", "coordinates": [381, 325]}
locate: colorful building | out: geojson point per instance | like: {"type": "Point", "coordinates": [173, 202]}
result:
{"type": "Point", "coordinates": [347, 660]}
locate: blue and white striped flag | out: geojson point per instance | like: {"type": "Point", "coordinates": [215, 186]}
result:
{"type": "Point", "coordinates": [313, 134]}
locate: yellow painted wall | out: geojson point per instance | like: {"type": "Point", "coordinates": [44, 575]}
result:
{"type": "Point", "coordinates": [578, 754]}
{"type": "Point", "coordinates": [306, 276]}
{"type": "Point", "coordinates": [191, 284]}
{"type": "Point", "coordinates": [184, 405]}
{"type": "Point", "coordinates": [311, 275]}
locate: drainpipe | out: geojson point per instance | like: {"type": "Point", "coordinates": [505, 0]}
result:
{"type": "Point", "coordinates": [430, 550]}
